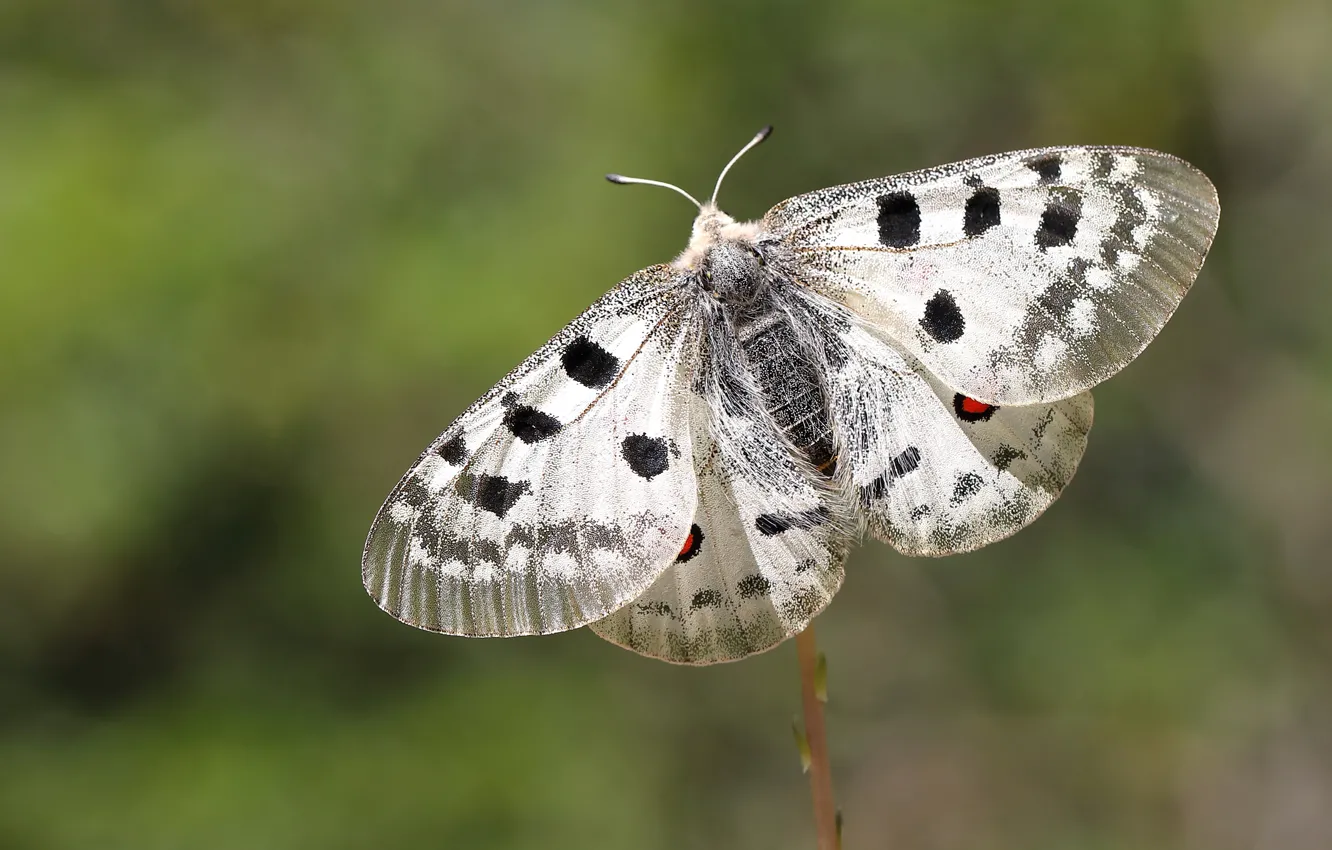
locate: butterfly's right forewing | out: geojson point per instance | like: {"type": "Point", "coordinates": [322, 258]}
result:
{"type": "Point", "coordinates": [561, 494]}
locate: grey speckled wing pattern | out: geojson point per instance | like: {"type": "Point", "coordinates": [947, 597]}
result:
{"type": "Point", "coordinates": [685, 466]}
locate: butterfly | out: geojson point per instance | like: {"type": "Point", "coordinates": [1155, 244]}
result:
{"type": "Point", "coordinates": [685, 466]}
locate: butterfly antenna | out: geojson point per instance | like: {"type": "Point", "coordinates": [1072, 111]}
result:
{"type": "Point", "coordinates": [622, 180]}
{"type": "Point", "coordinates": [762, 134]}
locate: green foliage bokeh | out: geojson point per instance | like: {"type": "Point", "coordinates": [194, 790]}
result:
{"type": "Point", "coordinates": [256, 254]}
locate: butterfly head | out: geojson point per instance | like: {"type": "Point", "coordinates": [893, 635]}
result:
{"type": "Point", "coordinates": [719, 249]}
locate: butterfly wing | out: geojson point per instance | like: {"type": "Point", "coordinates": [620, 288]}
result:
{"type": "Point", "coordinates": [937, 472]}
{"type": "Point", "coordinates": [501, 528]}
{"type": "Point", "coordinates": [765, 550]}
{"type": "Point", "coordinates": [1016, 279]}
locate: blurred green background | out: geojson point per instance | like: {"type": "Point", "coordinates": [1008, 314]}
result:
{"type": "Point", "coordinates": [257, 253]}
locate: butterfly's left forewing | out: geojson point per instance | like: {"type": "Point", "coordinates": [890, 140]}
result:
{"type": "Point", "coordinates": [561, 494]}
{"type": "Point", "coordinates": [1018, 278]}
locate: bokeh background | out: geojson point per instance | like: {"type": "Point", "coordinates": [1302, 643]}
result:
{"type": "Point", "coordinates": [255, 254]}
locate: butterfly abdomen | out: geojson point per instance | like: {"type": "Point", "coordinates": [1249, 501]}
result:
{"type": "Point", "coordinates": [787, 375]}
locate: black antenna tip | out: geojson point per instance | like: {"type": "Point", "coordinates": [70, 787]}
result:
{"type": "Point", "coordinates": [764, 133]}
{"type": "Point", "coordinates": [616, 178]}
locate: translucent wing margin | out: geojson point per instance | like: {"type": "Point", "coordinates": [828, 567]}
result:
{"type": "Point", "coordinates": [1020, 278]}
{"type": "Point", "coordinates": [563, 492]}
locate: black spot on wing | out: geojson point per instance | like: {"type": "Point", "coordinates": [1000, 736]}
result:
{"type": "Point", "coordinates": [1005, 455]}
{"type": "Point", "coordinates": [753, 585]}
{"type": "Point", "coordinates": [647, 456]}
{"type": "Point", "coordinates": [770, 524]}
{"type": "Point", "coordinates": [1057, 298]}
{"type": "Point", "coordinates": [1130, 214]}
{"type": "Point", "coordinates": [447, 543]}
{"type": "Point", "coordinates": [465, 550]}
{"type": "Point", "coordinates": [899, 220]}
{"type": "Point", "coordinates": [982, 211]}
{"type": "Point", "coordinates": [943, 320]}
{"type": "Point", "coordinates": [529, 424]}
{"type": "Point", "coordinates": [1059, 222]}
{"type": "Point", "coordinates": [803, 603]}
{"type": "Point", "coordinates": [1043, 423]}
{"type": "Point", "coordinates": [581, 538]}
{"type": "Point", "coordinates": [1102, 163]}
{"type": "Point", "coordinates": [661, 609]}
{"type": "Point", "coordinates": [905, 463]}
{"type": "Point", "coordinates": [589, 364]}
{"type": "Point", "coordinates": [453, 450]}
{"type": "Point", "coordinates": [707, 598]}
{"type": "Point", "coordinates": [493, 493]}
{"type": "Point", "coordinates": [965, 486]}
{"type": "Point", "coordinates": [1047, 167]}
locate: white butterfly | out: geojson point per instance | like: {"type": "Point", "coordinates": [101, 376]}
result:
{"type": "Point", "coordinates": [684, 466]}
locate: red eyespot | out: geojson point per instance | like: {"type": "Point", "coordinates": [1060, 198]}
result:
{"type": "Point", "coordinates": [970, 410]}
{"type": "Point", "coordinates": [692, 543]}
{"type": "Point", "coordinates": [970, 405]}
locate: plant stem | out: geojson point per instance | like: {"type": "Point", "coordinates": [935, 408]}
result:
{"type": "Point", "coordinates": [820, 774]}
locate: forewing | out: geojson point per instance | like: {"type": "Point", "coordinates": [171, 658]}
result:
{"type": "Point", "coordinates": [562, 493]}
{"type": "Point", "coordinates": [938, 472]}
{"type": "Point", "coordinates": [764, 553]}
{"type": "Point", "coordinates": [1020, 278]}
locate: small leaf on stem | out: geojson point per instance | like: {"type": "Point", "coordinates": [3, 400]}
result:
{"type": "Point", "coordinates": [802, 743]}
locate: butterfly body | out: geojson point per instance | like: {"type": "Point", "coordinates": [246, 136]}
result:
{"type": "Point", "coordinates": [745, 285]}
{"type": "Point", "coordinates": [685, 466]}
{"type": "Point", "coordinates": [788, 368]}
